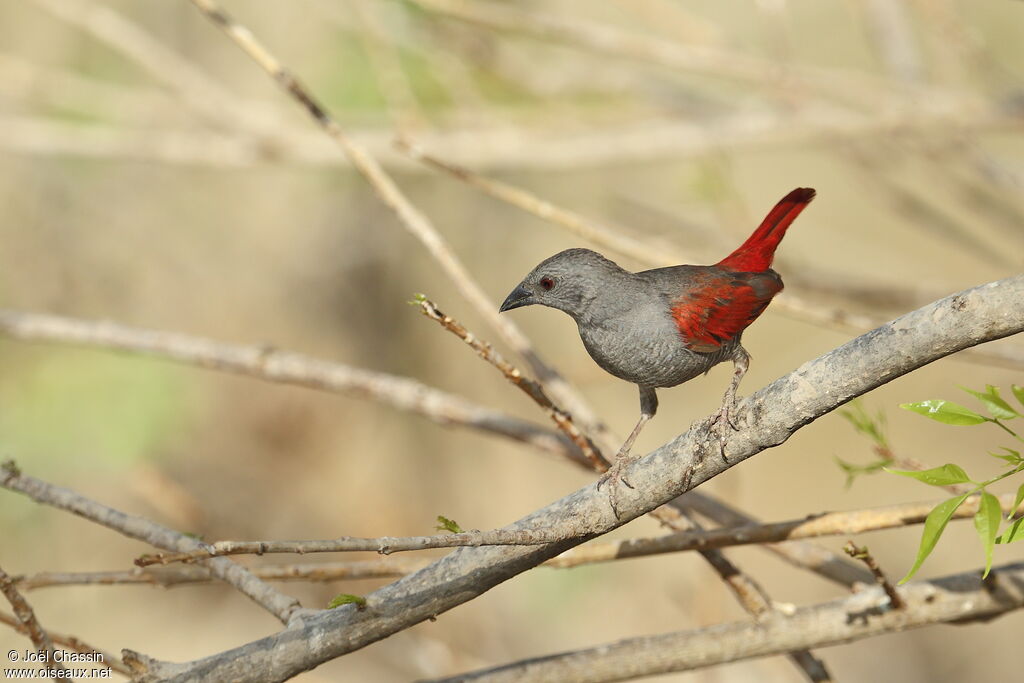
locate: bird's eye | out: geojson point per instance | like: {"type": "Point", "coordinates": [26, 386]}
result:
{"type": "Point", "coordinates": [547, 283]}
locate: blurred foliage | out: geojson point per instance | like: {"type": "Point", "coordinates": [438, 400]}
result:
{"type": "Point", "coordinates": [75, 410]}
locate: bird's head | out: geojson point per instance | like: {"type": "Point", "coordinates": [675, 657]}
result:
{"type": "Point", "coordinates": [569, 281]}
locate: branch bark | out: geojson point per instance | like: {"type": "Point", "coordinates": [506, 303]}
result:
{"type": "Point", "coordinates": [280, 605]}
{"type": "Point", "coordinates": [959, 598]}
{"type": "Point", "coordinates": [267, 363]}
{"type": "Point", "coordinates": [767, 418]}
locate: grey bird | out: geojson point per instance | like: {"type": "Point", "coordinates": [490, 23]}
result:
{"type": "Point", "coordinates": [659, 328]}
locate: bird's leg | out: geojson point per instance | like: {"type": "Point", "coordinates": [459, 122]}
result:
{"type": "Point", "coordinates": [648, 407]}
{"type": "Point", "coordinates": [741, 362]}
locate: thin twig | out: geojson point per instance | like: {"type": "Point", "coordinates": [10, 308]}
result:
{"type": "Point", "coordinates": [384, 545]}
{"type": "Point", "coordinates": [166, 577]}
{"type": "Point", "coordinates": [72, 643]}
{"type": "Point", "coordinates": [280, 605]}
{"type": "Point", "coordinates": [686, 539]}
{"type": "Point", "coordinates": [531, 388]}
{"type": "Point", "coordinates": [579, 225]}
{"type": "Point", "coordinates": [861, 553]}
{"type": "Point", "coordinates": [29, 624]}
{"type": "Point", "coordinates": [813, 526]}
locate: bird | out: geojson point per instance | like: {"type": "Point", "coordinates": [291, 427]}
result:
{"type": "Point", "coordinates": [662, 327]}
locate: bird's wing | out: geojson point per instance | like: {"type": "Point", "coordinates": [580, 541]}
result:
{"type": "Point", "coordinates": [717, 305]}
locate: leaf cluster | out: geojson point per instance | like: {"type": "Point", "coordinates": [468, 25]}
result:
{"type": "Point", "coordinates": [988, 519]}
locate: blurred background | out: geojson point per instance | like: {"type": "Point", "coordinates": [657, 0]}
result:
{"type": "Point", "coordinates": [152, 174]}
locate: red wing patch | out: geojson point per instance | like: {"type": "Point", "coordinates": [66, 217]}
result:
{"type": "Point", "coordinates": [715, 312]}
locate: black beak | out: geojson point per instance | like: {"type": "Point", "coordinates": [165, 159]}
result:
{"type": "Point", "coordinates": [519, 297]}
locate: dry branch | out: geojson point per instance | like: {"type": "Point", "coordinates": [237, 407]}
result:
{"type": "Point", "coordinates": [71, 643]}
{"type": "Point", "coordinates": [812, 526]}
{"type": "Point", "coordinates": [272, 365]}
{"type": "Point", "coordinates": [385, 545]}
{"type": "Point", "coordinates": [530, 387]}
{"type": "Point", "coordinates": [26, 619]}
{"type": "Point", "coordinates": [280, 605]}
{"type": "Point", "coordinates": [687, 537]}
{"type": "Point", "coordinates": [766, 419]}
{"type": "Point", "coordinates": [165, 577]}
{"type": "Point", "coordinates": [959, 598]}
{"type": "Point", "coordinates": [861, 553]}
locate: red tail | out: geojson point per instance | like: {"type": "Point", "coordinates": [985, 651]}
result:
{"type": "Point", "coordinates": [755, 255]}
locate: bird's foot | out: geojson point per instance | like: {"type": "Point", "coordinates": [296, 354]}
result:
{"type": "Point", "coordinates": [613, 477]}
{"type": "Point", "coordinates": [720, 422]}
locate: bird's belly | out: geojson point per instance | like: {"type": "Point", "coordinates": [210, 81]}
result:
{"type": "Point", "coordinates": [654, 358]}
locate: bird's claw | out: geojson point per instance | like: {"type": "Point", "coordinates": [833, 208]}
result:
{"type": "Point", "coordinates": [613, 477]}
{"type": "Point", "coordinates": [724, 415]}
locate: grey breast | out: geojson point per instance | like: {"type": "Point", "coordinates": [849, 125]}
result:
{"type": "Point", "coordinates": [641, 344]}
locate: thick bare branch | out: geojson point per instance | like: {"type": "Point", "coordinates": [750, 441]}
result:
{"type": "Point", "coordinates": [280, 605]}
{"type": "Point", "coordinates": [958, 598]}
{"type": "Point", "coordinates": [765, 419]}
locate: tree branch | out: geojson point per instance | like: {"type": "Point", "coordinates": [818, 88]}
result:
{"type": "Point", "coordinates": [71, 643]}
{"type": "Point", "coordinates": [280, 605]}
{"type": "Point", "coordinates": [267, 363]}
{"type": "Point", "coordinates": [958, 598]}
{"type": "Point", "coordinates": [766, 419]}
{"type": "Point", "coordinates": [26, 618]}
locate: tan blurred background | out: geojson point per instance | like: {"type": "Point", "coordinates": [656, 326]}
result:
{"type": "Point", "coordinates": [151, 174]}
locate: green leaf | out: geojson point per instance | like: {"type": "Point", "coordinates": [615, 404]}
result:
{"type": "Point", "coordinates": [347, 599]}
{"type": "Point", "coordinates": [945, 411]}
{"type": "Point", "coordinates": [1017, 500]}
{"type": "Point", "coordinates": [934, 525]}
{"type": "Point", "coordinates": [871, 426]}
{"type": "Point", "coordinates": [947, 475]}
{"type": "Point", "coordinates": [986, 522]}
{"type": "Point", "coordinates": [854, 470]}
{"type": "Point", "coordinates": [1012, 457]}
{"type": "Point", "coordinates": [445, 524]}
{"type": "Point", "coordinates": [1014, 532]}
{"type": "Point", "coordinates": [997, 407]}
{"type": "Point", "coordinates": [1018, 391]}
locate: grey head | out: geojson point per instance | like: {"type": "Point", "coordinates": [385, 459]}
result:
{"type": "Point", "coordinates": [570, 281]}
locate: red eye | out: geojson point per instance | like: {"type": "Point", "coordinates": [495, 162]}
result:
{"type": "Point", "coordinates": [547, 283]}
